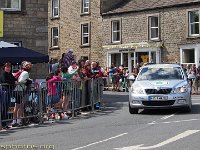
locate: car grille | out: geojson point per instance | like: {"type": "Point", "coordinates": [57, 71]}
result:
{"type": "Point", "coordinates": [158, 103]}
{"type": "Point", "coordinates": [160, 91]}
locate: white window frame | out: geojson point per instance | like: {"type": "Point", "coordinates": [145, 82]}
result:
{"type": "Point", "coordinates": [12, 8]}
{"type": "Point", "coordinates": [150, 27]}
{"type": "Point", "coordinates": [116, 31]}
{"type": "Point", "coordinates": [19, 44]}
{"type": "Point", "coordinates": [189, 24]}
{"type": "Point", "coordinates": [54, 37]}
{"type": "Point", "coordinates": [85, 35]}
{"type": "Point", "coordinates": [53, 8]}
{"type": "Point", "coordinates": [196, 48]}
{"type": "Point", "coordinates": [85, 5]}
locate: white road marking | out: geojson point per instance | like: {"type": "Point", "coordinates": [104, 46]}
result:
{"type": "Point", "coordinates": [174, 121]}
{"type": "Point", "coordinates": [100, 141]}
{"type": "Point", "coordinates": [173, 139]}
{"type": "Point", "coordinates": [195, 103]}
{"type": "Point", "coordinates": [168, 116]}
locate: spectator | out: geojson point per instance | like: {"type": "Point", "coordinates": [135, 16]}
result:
{"type": "Point", "coordinates": [96, 71]}
{"type": "Point", "coordinates": [87, 62]}
{"type": "Point", "coordinates": [68, 58]}
{"type": "Point", "coordinates": [50, 65]}
{"type": "Point", "coordinates": [119, 77]}
{"type": "Point", "coordinates": [112, 76]}
{"type": "Point", "coordinates": [73, 68]}
{"type": "Point", "coordinates": [6, 78]}
{"type": "Point", "coordinates": [61, 61]}
{"type": "Point", "coordinates": [21, 92]}
{"type": "Point", "coordinates": [66, 89]}
{"type": "Point", "coordinates": [54, 91]}
{"type": "Point", "coordinates": [89, 73]}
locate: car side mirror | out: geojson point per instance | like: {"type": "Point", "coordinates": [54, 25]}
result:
{"type": "Point", "coordinates": [131, 80]}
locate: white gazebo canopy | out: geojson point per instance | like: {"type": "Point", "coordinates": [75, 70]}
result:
{"type": "Point", "coordinates": [6, 44]}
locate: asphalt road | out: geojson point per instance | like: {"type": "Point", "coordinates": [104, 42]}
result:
{"type": "Point", "coordinates": [114, 128]}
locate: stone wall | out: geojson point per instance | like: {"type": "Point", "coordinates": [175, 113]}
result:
{"type": "Point", "coordinates": [173, 29]}
{"type": "Point", "coordinates": [30, 26]}
{"type": "Point", "coordinates": [69, 23]}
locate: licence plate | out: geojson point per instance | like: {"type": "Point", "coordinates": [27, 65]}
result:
{"type": "Point", "coordinates": [158, 98]}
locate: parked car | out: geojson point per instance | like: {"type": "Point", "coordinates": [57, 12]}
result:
{"type": "Point", "coordinates": [160, 86]}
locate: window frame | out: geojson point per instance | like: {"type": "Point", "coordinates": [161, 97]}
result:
{"type": "Point", "coordinates": [12, 9]}
{"type": "Point", "coordinates": [53, 7]}
{"type": "Point", "coordinates": [54, 37]}
{"type": "Point", "coordinates": [183, 55]}
{"type": "Point", "coordinates": [117, 31]}
{"type": "Point", "coordinates": [83, 7]}
{"type": "Point", "coordinates": [19, 43]}
{"type": "Point", "coordinates": [86, 34]}
{"type": "Point", "coordinates": [189, 24]}
{"type": "Point", "coordinates": [150, 27]}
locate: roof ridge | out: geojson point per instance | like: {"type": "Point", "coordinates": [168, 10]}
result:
{"type": "Point", "coordinates": [141, 5]}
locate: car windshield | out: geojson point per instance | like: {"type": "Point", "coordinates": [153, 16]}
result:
{"type": "Point", "coordinates": [161, 73]}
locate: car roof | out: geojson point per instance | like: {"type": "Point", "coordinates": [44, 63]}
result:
{"type": "Point", "coordinates": [161, 65]}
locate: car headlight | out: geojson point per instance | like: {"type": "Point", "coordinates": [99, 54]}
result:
{"type": "Point", "coordinates": [137, 90]}
{"type": "Point", "coordinates": [182, 89]}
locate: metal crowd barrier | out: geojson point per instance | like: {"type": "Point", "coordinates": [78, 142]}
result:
{"type": "Point", "coordinates": [40, 100]}
{"type": "Point", "coordinates": [107, 82]}
{"type": "Point", "coordinates": [25, 97]}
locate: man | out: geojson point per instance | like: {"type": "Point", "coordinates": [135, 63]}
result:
{"type": "Point", "coordinates": [21, 92]}
{"type": "Point", "coordinates": [8, 83]}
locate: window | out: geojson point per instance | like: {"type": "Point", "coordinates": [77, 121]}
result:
{"type": "Point", "coordinates": [193, 23]}
{"type": "Point", "coordinates": [85, 6]}
{"type": "Point", "coordinates": [188, 56]}
{"type": "Point", "coordinates": [17, 43]}
{"type": "Point", "coordinates": [153, 28]}
{"type": "Point", "coordinates": [12, 5]}
{"type": "Point", "coordinates": [85, 34]}
{"type": "Point", "coordinates": [116, 59]}
{"type": "Point", "coordinates": [55, 8]}
{"type": "Point", "coordinates": [116, 31]}
{"type": "Point", "coordinates": [54, 35]}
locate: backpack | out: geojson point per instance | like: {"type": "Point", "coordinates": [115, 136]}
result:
{"type": "Point", "coordinates": [17, 74]}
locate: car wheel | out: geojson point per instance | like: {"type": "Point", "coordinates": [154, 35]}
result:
{"type": "Point", "coordinates": [188, 108]}
{"type": "Point", "coordinates": [133, 110]}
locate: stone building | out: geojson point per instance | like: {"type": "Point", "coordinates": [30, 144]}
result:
{"type": "Point", "coordinates": [75, 24]}
{"type": "Point", "coordinates": [26, 24]}
{"type": "Point", "coordinates": [141, 31]}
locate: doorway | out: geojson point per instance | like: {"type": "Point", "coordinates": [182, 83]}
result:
{"type": "Point", "coordinates": [142, 57]}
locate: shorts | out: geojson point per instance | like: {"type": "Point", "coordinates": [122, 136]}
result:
{"type": "Point", "coordinates": [18, 95]}
{"type": "Point", "coordinates": [52, 99]}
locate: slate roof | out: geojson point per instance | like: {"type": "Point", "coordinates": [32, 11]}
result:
{"type": "Point", "coordinates": [139, 5]}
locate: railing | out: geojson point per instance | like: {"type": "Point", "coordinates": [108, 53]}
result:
{"type": "Point", "coordinates": [39, 101]}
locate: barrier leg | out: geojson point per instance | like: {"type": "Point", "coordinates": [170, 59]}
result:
{"type": "Point", "coordinates": [41, 99]}
{"type": "Point", "coordinates": [92, 95]}
{"type": "Point", "coordinates": [73, 101]}
{"type": "Point", "coordinates": [0, 115]}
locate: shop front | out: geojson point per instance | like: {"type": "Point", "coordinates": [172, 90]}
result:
{"type": "Point", "coordinates": [132, 54]}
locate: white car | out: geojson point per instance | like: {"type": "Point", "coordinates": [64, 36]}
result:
{"type": "Point", "coordinates": [160, 86]}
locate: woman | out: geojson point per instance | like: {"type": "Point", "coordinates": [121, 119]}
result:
{"type": "Point", "coordinates": [8, 79]}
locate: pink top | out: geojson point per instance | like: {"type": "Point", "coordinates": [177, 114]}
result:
{"type": "Point", "coordinates": [51, 85]}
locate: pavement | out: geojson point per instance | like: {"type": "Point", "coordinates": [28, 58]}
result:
{"type": "Point", "coordinates": [113, 128]}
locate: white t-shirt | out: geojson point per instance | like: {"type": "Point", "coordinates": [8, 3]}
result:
{"type": "Point", "coordinates": [21, 81]}
{"type": "Point", "coordinates": [23, 77]}
{"type": "Point", "coordinates": [72, 70]}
